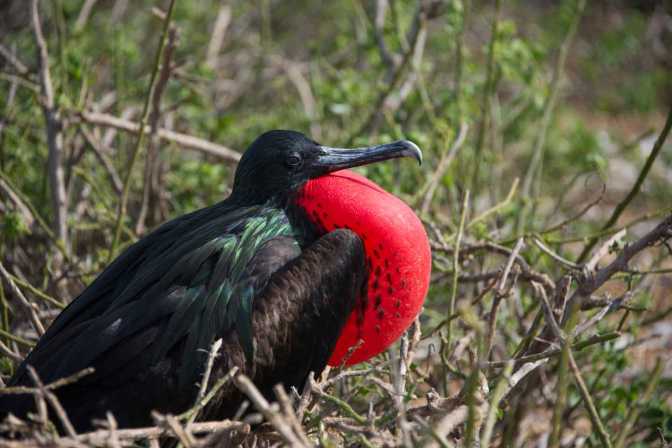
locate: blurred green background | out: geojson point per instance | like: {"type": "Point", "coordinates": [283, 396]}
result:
{"type": "Point", "coordinates": [559, 106]}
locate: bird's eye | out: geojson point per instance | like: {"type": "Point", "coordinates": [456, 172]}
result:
{"type": "Point", "coordinates": [294, 160]}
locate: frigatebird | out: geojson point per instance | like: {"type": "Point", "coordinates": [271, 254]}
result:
{"type": "Point", "coordinates": [302, 265]}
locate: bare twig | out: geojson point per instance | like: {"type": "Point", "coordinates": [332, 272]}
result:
{"type": "Point", "coordinates": [214, 351]}
{"type": "Point", "coordinates": [9, 56]}
{"type": "Point", "coordinates": [217, 36]}
{"type": "Point", "coordinates": [181, 433]}
{"type": "Point", "coordinates": [557, 257]}
{"type": "Point", "coordinates": [191, 414]}
{"type": "Point", "coordinates": [487, 92]}
{"type": "Point", "coordinates": [446, 158]}
{"type": "Point", "coordinates": [289, 414]}
{"type": "Point", "coordinates": [497, 395]}
{"type": "Point", "coordinates": [115, 180]}
{"type": "Point", "coordinates": [634, 191]}
{"type": "Point", "coordinates": [578, 215]}
{"type": "Point", "coordinates": [604, 249]}
{"type": "Point", "coordinates": [499, 295]}
{"type": "Point", "coordinates": [188, 141]}
{"type": "Point", "coordinates": [534, 168]}
{"type": "Point", "coordinates": [53, 401]}
{"type": "Point", "coordinates": [594, 415]}
{"type": "Point", "coordinates": [417, 41]}
{"type": "Point", "coordinates": [152, 166]}
{"type": "Point", "coordinates": [32, 309]}
{"type": "Point", "coordinates": [6, 351]}
{"type": "Point", "coordinates": [40, 294]}
{"type": "Point", "coordinates": [556, 351]}
{"type": "Point", "coordinates": [269, 413]}
{"type": "Point", "coordinates": [84, 14]}
{"type": "Point", "coordinates": [456, 265]}
{"type": "Point", "coordinates": [16, 390]}
{"type": "Point", "coordinates": [101, 436]}
{"type": "Point", "coordinates": [52, 117]}
{"type": "Point", "coordinates": [390, 59]}
{"type": "Point", "coordinates": [495, 208]}
{"type": "Point", "coordinates": [592, 282]}
{"type": "Point", "coordinates": [633, 410]}
{"type": "Point", "coordinates": [16, 339]}
{"type": "Point", "coordinates": [295, 75]}
{"type": "Point", "coordinates": [141, 133]}
{"type": "Point", "coordinates": [21, 207]}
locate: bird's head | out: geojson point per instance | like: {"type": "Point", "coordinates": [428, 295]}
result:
{"type": "Point", "coordinates": [278, 163]}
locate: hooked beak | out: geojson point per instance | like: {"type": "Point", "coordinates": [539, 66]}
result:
{"type": "Point", "coordinates": [334, 159]}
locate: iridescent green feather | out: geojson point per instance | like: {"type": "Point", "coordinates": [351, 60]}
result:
{"type": "Point", "coordinates": [220, 294]}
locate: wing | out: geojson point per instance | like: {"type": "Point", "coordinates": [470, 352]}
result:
{"type": "Point", "coordinates": [278, 311]}
{"type": "Point", "coordinates": [297, 318]}
{"type": "Point", "coordinates": [154, 312]}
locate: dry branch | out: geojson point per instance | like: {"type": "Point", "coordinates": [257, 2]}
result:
{"type": "Point", "coordinates": [188, 141]}
{"type": "Point", "coordinates": [634, 191]}
{"type": "Point", "coordinates": [594, 280]}
{"type": "Point", "coordinates": [271, 414]}
{"type": "Point", "coordinates": [54, 123]}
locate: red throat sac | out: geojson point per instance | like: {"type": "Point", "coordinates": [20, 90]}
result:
{"type": "Point", "coordinates": [398, 256]}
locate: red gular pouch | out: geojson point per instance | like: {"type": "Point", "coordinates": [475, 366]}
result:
{"type": "Point", "coordinates": [398, 257]}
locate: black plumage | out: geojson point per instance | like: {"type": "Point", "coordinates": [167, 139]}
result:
{"type": "Point", "coordinates": [250, 270]}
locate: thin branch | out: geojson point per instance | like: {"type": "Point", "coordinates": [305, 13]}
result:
{"type": "Point", "coordinates": [31, 307]}
{"type": "Point", "coordinates": [84, 14]}
{"type": "Point", "coordinates": [214, 351]}
{"type": "Point", "coordinates": [534, 168]}
{"type": "Point", "coordinates": [9, 56]}
{"type": "Point", "coordinates": [270, 414]}
{"type": "Point", "coordinates": [95, 145]}
{"type": "Point", "coordinates": [53, 401]}
{"type": "Point", "coordinates": [634, 191]}
{"type": "Point", "coordinates": [556, 351]}
{"type": "Point", "coordinates": [191, 414]}
{"type": "Point", "coordinates": [152, 167]}
{"type": "Point", "coordinates": [59, 200]}
{"type": "Point", "coordinates": [16, 339]}
{"type": "Point", "coordinates": [497, 395]}
{"type": "Point", "coordinates": [19, 390]}
{"type": "Point", "coordinates": [390, 59]}
{"type": "Point", "coordinates": [23, 209]}
{"type": "Point", "coordinates": [495, 208]}
{"type": "Point", "coordinates": [633, 410]}
{"type": "Point", "coordinates": [188, 141]}
{"type": "Point", "coordinates": [592, 410]}
{"type": "Point", "coordinates": [102, 436]}
{"type": "Point", "coordinates": [289, 414]}
{"type": "Point", "coordinates": [419, 28]}
{"type": "Point", "coordinates": [4, 178]}
{"type": "Point", "coordinates": [39, 293]}
{"type": "Point", "coordinates": [557, 257]}
{"type": "Point", "coordinates": [500, 292]}
{"type": "Point", "coordinates": [217, 36]}
{"type": "Point", "coordinates": [6, 351]}
{"type": "Point", "coordinates": [582, 212]}
{"type": "Point", "coordinates": [446, 159]}
{"type": "Point", "coordinates": [141, 134]}
{"type": "Point", "coordinates": [488, 91]}
{"type": "Point", "coordinates": [592, 282]}
{"type": "Point", "coordinates": [456, 265]}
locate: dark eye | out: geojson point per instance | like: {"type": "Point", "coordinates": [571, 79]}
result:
{"type": "Point", "coordinates": [294, 160]}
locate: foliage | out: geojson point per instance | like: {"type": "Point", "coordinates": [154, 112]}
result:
{"type": "Point", "coordinates": [329, 71]}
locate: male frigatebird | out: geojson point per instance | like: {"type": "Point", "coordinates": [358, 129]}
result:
{"type": "Point", "coordinates": [300, 266]}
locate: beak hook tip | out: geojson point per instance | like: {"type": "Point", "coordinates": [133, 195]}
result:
{"type": "Point", "coordinates": [412, 150]}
